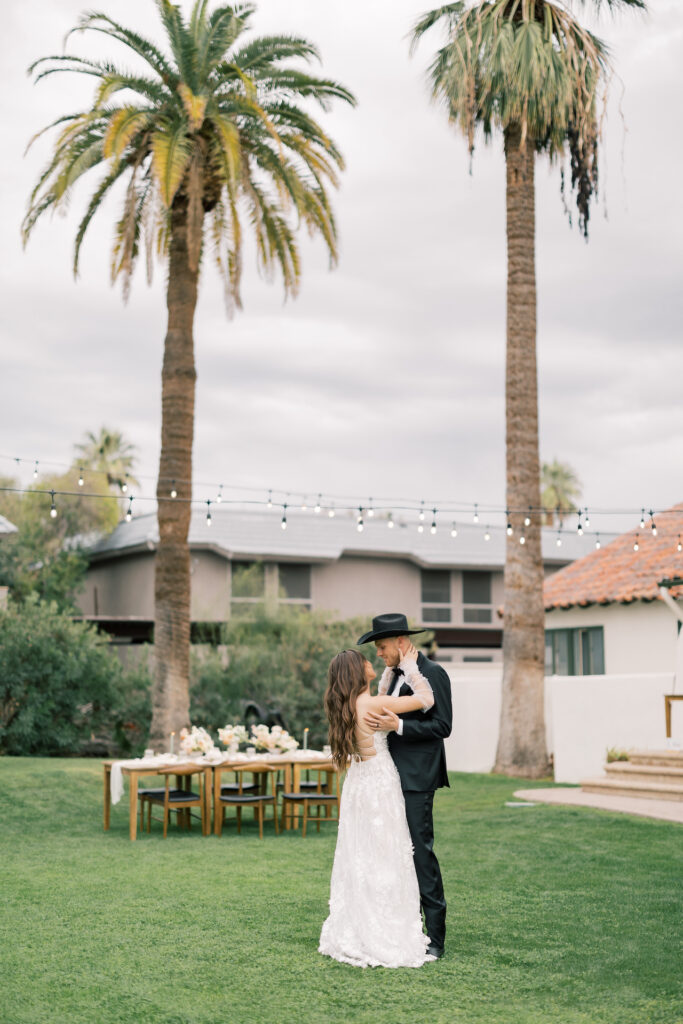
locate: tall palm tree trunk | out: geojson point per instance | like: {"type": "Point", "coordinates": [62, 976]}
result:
{"type": "Point", "coordinates": [170, 692]}
{"type": "Point", "coordinates": [521, 743]}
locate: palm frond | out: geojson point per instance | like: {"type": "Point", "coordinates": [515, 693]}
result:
{"type": "Point", "coordinates": [124, 125]}
{"type": "Point", "coordinates": [172, 152]}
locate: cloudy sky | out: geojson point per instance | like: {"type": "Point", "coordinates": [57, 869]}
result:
{"type": "Point", "coordinates": [386, 376]}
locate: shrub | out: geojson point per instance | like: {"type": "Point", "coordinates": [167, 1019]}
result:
{"type": "Point", "coordinates": [59, 683]}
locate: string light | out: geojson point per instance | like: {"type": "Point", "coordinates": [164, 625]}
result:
{"type": "Point", "coordinates": [422, 513]}
{"type": "Point", "coordinates": [129, 510]}
{"type": "Point", "coordinates": [597, 541]}
{"type": "Point", "coordinates": [636, 546]}
{"type": "Point", "coordinates": [331, 513]}
{"type": "Point", "coordinates": [35, 470]}
{"type": "Point", "coordinates": [642, 518]}
{"type": "Point", "coordinates": [318, 506]}
{"type": "Point", "coordinates": [283, 521]}
{"type": "Point", "coordinates": [522, 539]}
{"type": "Point", "coordinates": [270, 499]}
{"type": "Point", "coordinates": [208, 513]}
{"type": "Point", "coordinates": [124, 485]}
{"type": "Point", "coordinates": [432, 528]}
{"type": "Point", "coordinates": [174, 493]}
{"type": "Point", "coordinates": [652, 525]}
{"type": "Point", "coordinates": [586, 520]}
{"type": "Point", "coordinates": [475, 517]}
{"type": "Point", "coordinates": [487, 535]}
{"type": "Point", "coordinates": [454, 530]}
{"type": "Point", "coordinates": [420, 528]}
{"type": "Point", "coordinates": [679, 546]}
{"type": "Point", "coordinates": [80, 477]}
{"type": "Point", "coordinates": [559, 538]}
{"type": "Point", "coordinates": [508, 528]}
{"type": "Point", "coordinates": [219, 496]}
{"type": "Point", "coordinates": [390, 521]}
{"type": "Point", "coordinates": [527, 518]}
{"type": "Point", "coordinates": [371, 510]}
{"type": "Point", "coordinates": [579, 527]}
{"type": "Point", "coordinates": [53, 507]}
{"type": "Point", "coordinates": [359, 524]}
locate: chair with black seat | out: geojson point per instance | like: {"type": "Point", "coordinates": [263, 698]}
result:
{"type": "Point", "coordinates": [325, 796]}
{"type": "Point", "coordinates": [182, 799]}
{"type": "Point", "coordinates": [247, 794]}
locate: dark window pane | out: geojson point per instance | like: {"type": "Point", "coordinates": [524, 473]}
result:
{"type": "Point", "coordinates": [548, 653]}
{"type": "Point", "coordinates": [597, 652]}
{"type": "Point", "coordinates": [436, 586]}
{"type": "Point", "coordinates": [476, 614]}
{"type": "Point", "coordinates": [436, 614]}
{"type": "Point", "coordinates": [477, 657]}
{"type": "Point", "coordinates": [295, 581]}
{"type": "Point", "coordinates": [476, 588]}
{"type": "Point", "coordinates": [562, 658]}
{"type": "Point", "coordinates": [247, 579]}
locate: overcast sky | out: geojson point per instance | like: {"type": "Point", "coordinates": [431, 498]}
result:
{"type": "Point", "coordinates": [385, 377]}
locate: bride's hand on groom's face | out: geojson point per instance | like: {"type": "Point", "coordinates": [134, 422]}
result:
{"type": "Point", "coordinates": [409, 652]}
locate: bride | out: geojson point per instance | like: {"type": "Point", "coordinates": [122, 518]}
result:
{"type": "Point", "coordinates": [375, 918]}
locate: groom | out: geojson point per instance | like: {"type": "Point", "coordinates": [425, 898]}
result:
{"type": "Point", "coordinates": [416, 745]}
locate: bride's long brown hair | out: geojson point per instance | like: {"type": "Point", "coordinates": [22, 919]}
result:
{"type": "Point", "coordinates": [345, 681]}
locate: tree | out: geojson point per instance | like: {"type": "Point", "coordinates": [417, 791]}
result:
{"type": "Point", "coordinates": [559, 487]}
{"type": "Point", "coordinates": [109, 454]}
{"type": "Point", "coordinates": [528, 69]}
{"type": "Point", "coordinates": [211, 130]}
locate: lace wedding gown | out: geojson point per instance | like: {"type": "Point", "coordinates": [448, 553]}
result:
{"type": "Point", "coordinates": [375, 918]}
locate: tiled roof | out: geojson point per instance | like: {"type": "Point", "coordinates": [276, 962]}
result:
{"type": "Point", "coordinates": [239, 533]}
{"type": "Point", "coordinates": [617, 573]}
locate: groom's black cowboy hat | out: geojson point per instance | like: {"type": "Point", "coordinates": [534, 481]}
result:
{"type": "Point", "coordinates": [384, 626]}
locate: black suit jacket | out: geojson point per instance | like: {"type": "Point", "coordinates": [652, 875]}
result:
{"type": "Point", "coordinates": [419, 753]}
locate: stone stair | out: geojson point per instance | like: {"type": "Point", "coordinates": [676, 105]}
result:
{"type": "Point", "coordinates": [648, 774]}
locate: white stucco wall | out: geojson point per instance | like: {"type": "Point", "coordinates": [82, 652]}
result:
{"type": "Point", "coordinates": [585, 715]}
{"type": "Point", "coordinates": [639, 637]}
{"type": "Point", "coordinates": [366, 586]}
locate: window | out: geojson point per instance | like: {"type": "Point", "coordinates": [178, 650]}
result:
{"type": "Point", "coordinates": [247, 587]}
{"type": "Point", "coordinates": [476, 597]}
{"type": "Point", "coordinates": [436, 595]}
{"type": "Point", "coordinates": [575, 652]}
{"type": "Point", "coordinates": [294, 585]}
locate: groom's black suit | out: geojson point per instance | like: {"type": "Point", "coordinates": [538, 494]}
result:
{"type": "Point", "coordinates": [420, 758]}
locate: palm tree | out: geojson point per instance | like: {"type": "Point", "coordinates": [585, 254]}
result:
{"type": "Point", "coordinates": [530, 70]}
{"type": "Point", "coordinates": [559, 487]}
{"type": "Point", "coordinates": [111, 454]}
{"type": "Point", "coordinates": [210, 133]}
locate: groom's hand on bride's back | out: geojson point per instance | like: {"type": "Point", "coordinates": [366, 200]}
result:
{"type": "Point", "coordinates": [387, 721]}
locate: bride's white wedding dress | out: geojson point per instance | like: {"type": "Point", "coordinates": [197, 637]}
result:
{"type": "Point", "coordinates": [375, 918]}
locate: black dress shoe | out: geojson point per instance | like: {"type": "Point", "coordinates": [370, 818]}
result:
{"type": "Point", "coordinates": [435, 951]}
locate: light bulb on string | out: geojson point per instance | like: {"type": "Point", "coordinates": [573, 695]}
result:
{"type": "Point", "coordinates": [219, 496]}
{"type": "Point", "coordinates": [586, 519]}
{"type": "Point", "coordinates": [432, 528]}
{"type": "Point", "coordinates": [636, 545]}
{"type": "Point", "coordinates": [283, 521]}
{"type": "Point", "coordinates": [318, 506]}
{"type": "Point", "coordinates": [508, 528]}
{"type": "Point", "coordinates": [80, 477]}
{"type": "Point", "coordinates": [390, 521]}
{"type": "Point", "coordinates": [527, 518]}
{"type": "Point", "coordinates": [475, 517]}
{"type": "Point", "coordinates": [124, 485]}
{"type": "Point", "coordinates": [579, 526]}
{"type": "Point", "coordinates": [174, 493]}
{"type": "Point", "coordinates": [129, 510]}
{"type": "Point", "coordinates": [454, 530]}
{"type": "Point", "coordinates": [420, 528]}
{"type": "Point", "coordinates": [53, 507]}
{"type": "Point", "coordinates": [642, 518]}
{"type": "Point", "coordinates": [269, 503]}
{"type": "Point", "coordinates": [208, 513]}
{"type": "Point", "coordinates": [598, 545]}
{"type": "Point", "coordinates": [679, 546]}
{"type": "Point", "coordinates": [371, 510]}
{"type": "Point", "coordinates": [522, 539]}
{"type": "Point", "coordinates": [422, 514]}
{"type": "Point", "coordinates": [359, 524]}
{"type": "Point", "coordinates": [35, 470]}
{"type": "Point", "coordinates": [652, 524]}
{"type": "Point", "coordinates": [487, 535]}
{"type": "Point", "coordinates": [559, 540]}
{"type": "Point", "coordinates": [331, 513]}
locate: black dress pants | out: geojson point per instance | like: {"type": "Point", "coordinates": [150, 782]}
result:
{"type": "Point", "coordinates": [433, 902]}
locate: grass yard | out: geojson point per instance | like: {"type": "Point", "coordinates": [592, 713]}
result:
{"type": "Point", "coordinates": [556, 916]}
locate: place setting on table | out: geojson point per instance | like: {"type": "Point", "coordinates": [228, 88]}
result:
{"type": "Point", "coordinates": [260, 745]}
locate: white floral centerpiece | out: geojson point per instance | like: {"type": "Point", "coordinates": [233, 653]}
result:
{"type": "Point", "coordinates": [233, 736]}
{"type": "Point", "coordinates": [274, 741]}
{"type": "Point", "coordinates": [196, 741]}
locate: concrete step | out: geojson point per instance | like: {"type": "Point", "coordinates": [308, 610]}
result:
{"type": "Point", "coordinates": [644, 790]}
{"type": "Point", "coordinates": [627, 772]}
{"type": "Point", "coordinates": [668, 758]}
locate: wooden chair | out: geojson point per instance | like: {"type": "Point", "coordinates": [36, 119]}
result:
{"type": "Point", "coordinates": [246, 795]}
{"type": "Point", "coordinates": [325, 795]}
{"type": "Point", "coordinates": [179, 800]}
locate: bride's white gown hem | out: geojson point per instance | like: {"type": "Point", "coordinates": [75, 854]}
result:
{"type": "Point", "coordinates": [375, 918]}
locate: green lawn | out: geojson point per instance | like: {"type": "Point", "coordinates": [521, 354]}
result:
{"type": "Point", "coordinates": [556, 916]}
